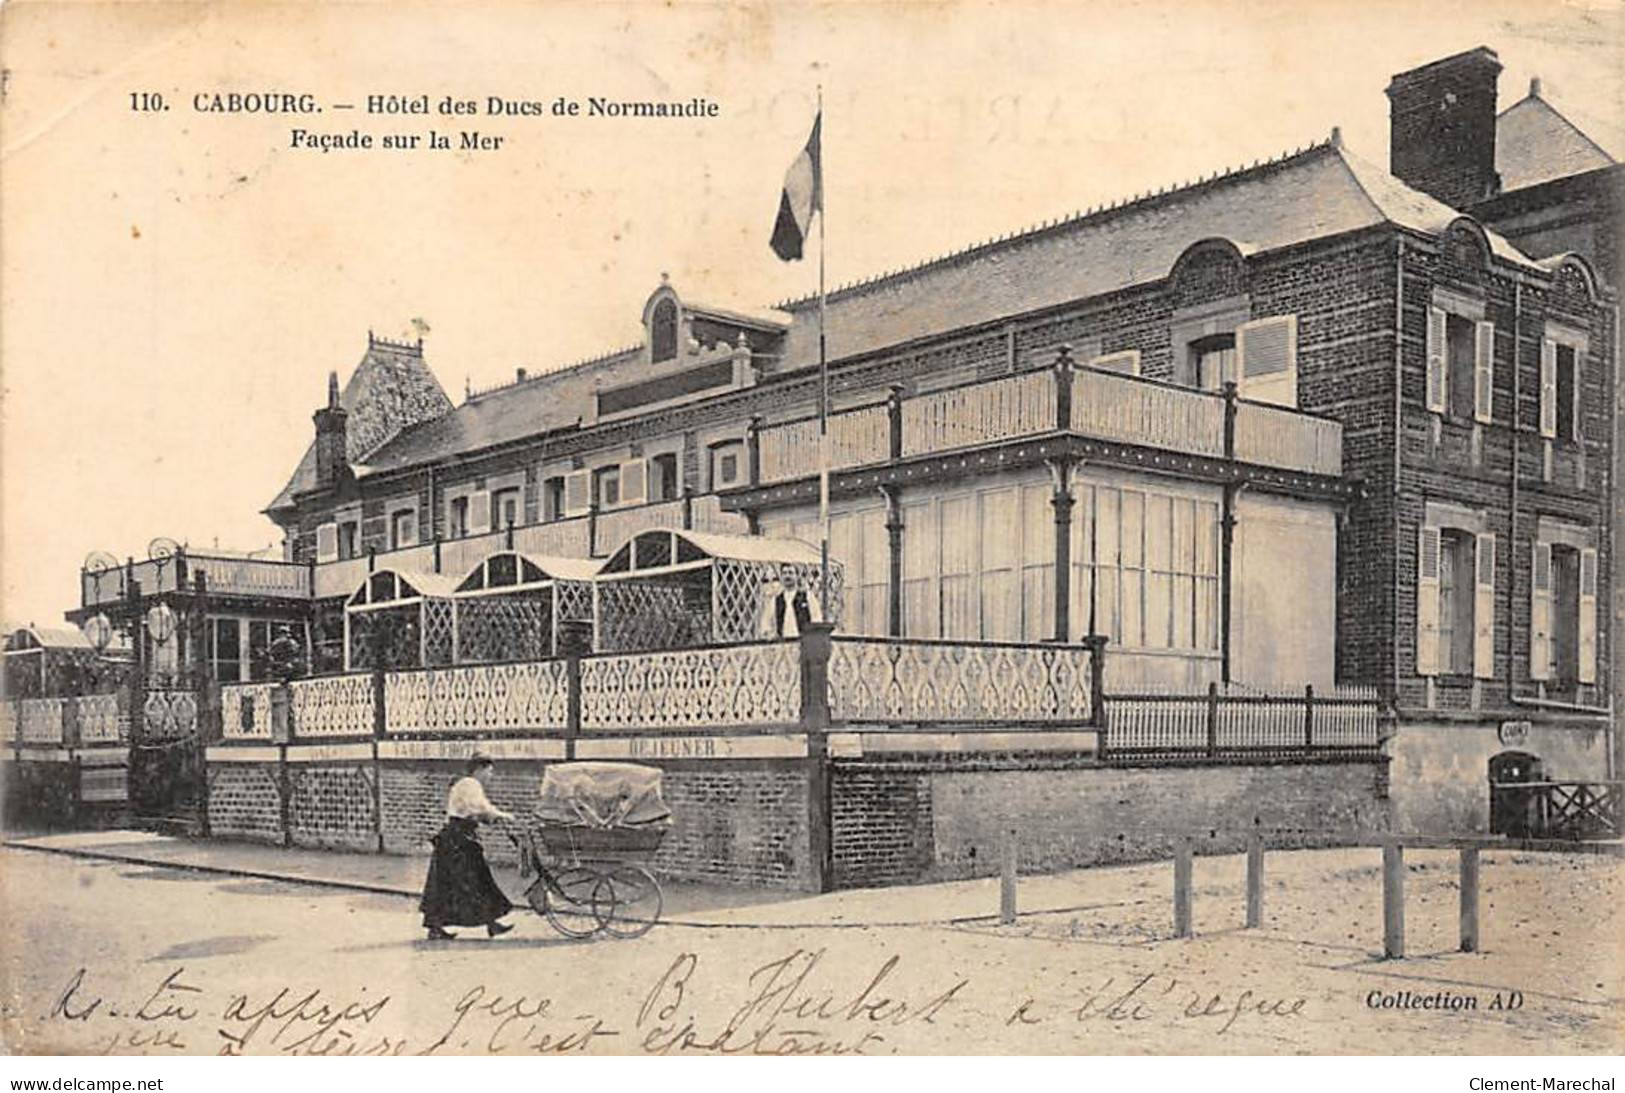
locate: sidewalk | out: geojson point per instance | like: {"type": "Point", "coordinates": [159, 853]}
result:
{"type": "Point", "coordinates": [379, 874]}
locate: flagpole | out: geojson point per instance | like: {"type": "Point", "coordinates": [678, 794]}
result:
{"type": "Point", "coordinates": [823, 388]}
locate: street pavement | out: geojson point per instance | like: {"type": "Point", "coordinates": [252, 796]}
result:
{"type": "Point", "coordinates": [160, 946]}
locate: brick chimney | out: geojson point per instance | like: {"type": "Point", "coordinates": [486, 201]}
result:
{"type": "Point", "coordinates": [331, 437]}
{"type": "Point", "coordinates": [1441, 127]}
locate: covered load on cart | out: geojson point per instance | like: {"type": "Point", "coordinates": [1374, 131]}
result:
{"type": "Point", "coordinates": [591, 808]}
{"type": "Point", "coordinates": [598, 822]}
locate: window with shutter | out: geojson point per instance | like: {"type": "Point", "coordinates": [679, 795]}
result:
{"type": "Point", "coordinates": [1438, 386]}
{"type": "Point", "coordinates": [1427, 602]}
{"type": "Point", "coordinates": [577, 493]}
{"type": "Point", "coordinates": [1586, 666]}
{"type": "Point", "coordinates": [1484, 608]}
{"type": "Point", "coordinates": [634, 482]}
{"type": "Point", "coordinates": [1540, 612]}
{"type": "Point", "coordinates": [1548, 388]}
{"type": "Point", "coordinates": [477, 513]}
{"type": "Point", "coordinates": [327, 543]}
{"type": "Point", "coordinates": [1267, 352]}
{"type": "Point", "coordinates": [1484, 371]}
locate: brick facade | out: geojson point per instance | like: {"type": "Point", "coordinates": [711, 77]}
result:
{"type": "Point", "coordinates": [901, 823]}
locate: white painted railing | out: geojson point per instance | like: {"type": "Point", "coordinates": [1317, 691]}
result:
{"type": "Point", "coordinates": [251, 576]}
{"type": "Point", "coordinates": [1277, 437]}
{"type": "Point", "coordinates": [980, 413]}
{"type": "Point", "coordinates": [477, 698]}
{"type": "Point", "coordinates": [616, 526]}
{"type": "Point", "coordinates": [339, 578]}
{"type": "Point", "coordinates": [98, 719]}
{"type": "Point", "coordinates": [856, 438]}
{"type": "Point", "coordinates": [892, 680]}
{"type": "Point", "coordinates": [753, 684]}
{"type": "Point", "coordinates": [707, 515]}
{"type": "Point", "coordinates": [39, 720]}
{"type": "Point", "coordinates": [333, 705]}
{"type": "Point", "coordinates": [1156, 415]}
{"type": "Point", "coordinates": [558, 538]}
{"type": "Point", "coordinates": [245, 711]}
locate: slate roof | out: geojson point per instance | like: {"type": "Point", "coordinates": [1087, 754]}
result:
{"type": "Point", "coordinates": [1535, 143]}
{"type": "Point", "coordinates": [1319, 191]}
{"type": "Point", "coordinates": [390, 390]}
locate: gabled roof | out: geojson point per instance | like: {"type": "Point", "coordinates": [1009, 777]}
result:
{"type": "Point", "coordinates": [1535, 143]}
{"type": "Point", "coordinates": [390, 390]}
{"type": "Point", "coordinates": [1320, 191]}
{"type": "Point", "coordinates": [1315, 192]}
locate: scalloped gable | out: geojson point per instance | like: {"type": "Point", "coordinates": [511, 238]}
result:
{"type": "Point", "coordinates": [389, 391]}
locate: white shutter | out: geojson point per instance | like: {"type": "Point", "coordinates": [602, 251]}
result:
{"type": "Point", "coordinates": [577, 493]}
{"type": "Point", "coordinates": [1484, 371]}
{"type": "Point", "coordinates": [1548, 388]}
{"type": "Point", "coordinates": [634, 482]}
{"type": "Point", "coordinates": [1484, 607]}
{"type": "Point", "coordinates": [1540, 611]}
{"type": "Point", "coordinates": [1586, 670]}
{"type": "Point", "coordinates": [1427, 602]}
{"type": "Point", "coordinates": [479, 513]}
{"type": "Point", "coordinates": [1438, 361]}
{"type": "Point", "coordinates": [1267, 360]}
{"type": "Point", "coordinates": [327, 542]}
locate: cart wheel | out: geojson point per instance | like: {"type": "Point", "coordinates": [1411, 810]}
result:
{"type": "Point", "coordinates": [570, 901]}
{"type": "Point", "coordinates": [629, 901]}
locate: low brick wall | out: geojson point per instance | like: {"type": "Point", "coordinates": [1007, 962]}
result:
{"type": "Point", "coordinates": [900, 822]}
{"type": "Point", "coordinates": [738, 822]}
{"type": "Point", "coordinates": [895, 820]}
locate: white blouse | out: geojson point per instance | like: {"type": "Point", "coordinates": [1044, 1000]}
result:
{"type": "Point", "coordinates": [468, 800]}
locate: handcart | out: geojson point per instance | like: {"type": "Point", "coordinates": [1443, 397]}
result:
{"type": "Point", "coordinates": [597, 826]}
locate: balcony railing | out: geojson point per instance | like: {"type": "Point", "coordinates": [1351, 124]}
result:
{"type": "Point", "coordinates": [479, 698]}
{"type": "Point", "coordinates": [616, 526]}
{"type": "Point", "coordinates": [1103, 405]}
{"type": "Point", "coordinates": [251, 576]}
{"type": "Point", "coordinates": [979, 413]}
{"type": "Point", "coordinates": [856, 438]}
{"type": "Point", "coordinates": [1156, 415]}
{"type": "Point", "coordinates": [1277, 437]}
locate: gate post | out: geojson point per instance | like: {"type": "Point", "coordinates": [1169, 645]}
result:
{"type": "Point", "coordinates": [575, 641]}
{"type": "Point", "coordinates": [816, 646]}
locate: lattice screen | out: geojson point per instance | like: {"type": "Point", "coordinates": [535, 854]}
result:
{"type": "Point", "coordinates": [652, 613]}
{"type": "Point", "coordinates": [518, 627]}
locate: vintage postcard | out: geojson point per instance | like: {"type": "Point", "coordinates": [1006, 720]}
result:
{"type": "Point", "coordinates": [737, 528]}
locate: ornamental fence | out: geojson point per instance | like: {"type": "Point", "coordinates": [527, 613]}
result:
{"type": "Point", "coordinates": [1240, 721]}
{"type": "Point", "coordinates": [816, 683]}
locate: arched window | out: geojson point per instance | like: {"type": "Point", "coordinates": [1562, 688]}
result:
{"type": "Point", "coordinates": [663, 332]}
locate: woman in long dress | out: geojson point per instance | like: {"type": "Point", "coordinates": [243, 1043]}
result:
{"type": "Point", "coordinates": [460, 890]}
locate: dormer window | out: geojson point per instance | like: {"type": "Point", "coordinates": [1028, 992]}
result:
{"type": "Point", "coordinates": [663, 332]}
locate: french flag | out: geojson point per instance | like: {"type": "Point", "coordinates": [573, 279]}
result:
{"type": "Point", "coordinates": [803, 195]}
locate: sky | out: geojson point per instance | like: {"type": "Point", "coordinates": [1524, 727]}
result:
{"type": "Point", "coordinates": [175, 286]}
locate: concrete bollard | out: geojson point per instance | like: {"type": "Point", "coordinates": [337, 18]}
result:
{"type": "Point", "coordinates": [1255, 881]}
{"type": "Point", "coordinates": [1393, 900]}
{"type": "Point", "coordinates": [1469, 899]}
{"type": "Point", "coordinates": [1007, 878]}
{"type": "Point", "coordinates": [1182, 887]}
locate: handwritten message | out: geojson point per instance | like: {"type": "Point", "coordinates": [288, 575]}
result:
{"type": "Point", "coordinates": [800, 1002]}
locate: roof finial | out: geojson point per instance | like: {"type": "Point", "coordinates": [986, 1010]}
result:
{"type": "Point", "coordinates": [1337, 136]}
{"type": "Point", "coordinates": [1534, 87]}
{"type": "Point", "coordinates": [332, 390]}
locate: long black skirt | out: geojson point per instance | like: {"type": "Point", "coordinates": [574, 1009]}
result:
{"type": "Point", "coordinates": [460, 890]}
